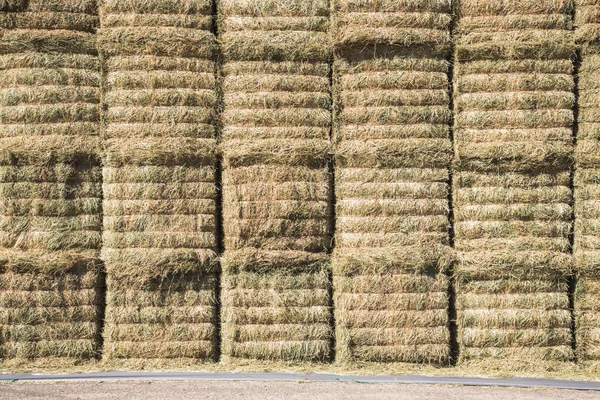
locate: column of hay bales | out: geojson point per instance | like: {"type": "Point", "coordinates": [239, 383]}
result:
{"type": "Point", "coordinates": [587, 184]}
{"type": "Point", "coordinates": [50, 182]}
{"type": "Point", "coordinates": [276, 126]}
{"type": "Point", "coordinates": [393, 154]}
{"type": "Point", "coordinates": [513, 139]}
{"type": "Point", "coordinates": [159, 180]}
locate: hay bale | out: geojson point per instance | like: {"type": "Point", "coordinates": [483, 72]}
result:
{"type": "Point", "coordinates": [50, 182]}
{"type": "Point", "coordinates": [513, 138]}
{"type": "Point", "coordinates": [276, 190]}
{"type": "Point", "coordinates": [159, 179]}
{"type": "Point", "coordinates": [587, 176]}
{"type": "Point", "coordinates": [393, 153]}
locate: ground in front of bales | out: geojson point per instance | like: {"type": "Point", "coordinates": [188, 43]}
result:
{"type": "Point", "coordinates": [165, 390]}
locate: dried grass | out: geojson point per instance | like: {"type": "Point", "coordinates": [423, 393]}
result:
{"type": "Point", "coordinates": [50, 182]}
{"type": "Point", "coordinates": [276, 194]}
{"type": "Point", "coordinates": [392, 158]}
{"type": "Point", "coordinates": [159, 238]}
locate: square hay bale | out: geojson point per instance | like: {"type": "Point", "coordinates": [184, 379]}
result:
{"type": "Point", "coordinates": [587, 21]}
{"type": "Point", "coordinates": [393, 155]}
{"type": "Point", "coordinates": [160, 244]}
{"type": "Point", "coordinates": [50, 183]}
{"type": "Point", "coordinates": [514, 99]}
{"type": "Point", "coordinates": [276, 182]}
{"type": "Point", "coordinates": [587, 206]}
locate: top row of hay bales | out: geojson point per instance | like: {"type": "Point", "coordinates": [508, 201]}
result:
{"type": "Point", "coordinates": [393, 153]}
{"type": "Point", "coordinates": [276, 185]}
{"type": "Point", "coordinates": [160, 245]}
{"type": "Point", "coordinates": [513, 98]}
{"type": "Point", "coordinates": [50, 180]}
{"type": "Point", "coordinates": [586, 180]}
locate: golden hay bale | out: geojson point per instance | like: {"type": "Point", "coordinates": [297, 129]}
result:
{"type": "Point", "coordinates": [168, 317]}
{"type": "Point", "coordinates": [587, 21]}
{"type": "Point", "coordinates": [159, 239]}
{"type": "Point", "coordinates": [276, 184]}
{"type": "Point", "coordinates": [50, 181]}
{"type": "Point", "coordinates": [52, 314]}
{"type": "Point", "coordinates": [393, 152]}
{"type": "Point", "coordinates": [587, 195]}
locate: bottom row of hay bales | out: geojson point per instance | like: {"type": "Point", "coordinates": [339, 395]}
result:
{"type": "Point", "coordinates": [513, 266]}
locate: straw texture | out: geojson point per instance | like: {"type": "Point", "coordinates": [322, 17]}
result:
{"type": "Point", "coordinates": [159, 179]}
{"type": "Point", "coordinates": [513, 139]}
{"type": "Point", "coordinates": [276, 190]}
{"type": "Point", "coordinates": [393, 154]}
{"type": "Point", "coordinates": [586, 180]}
{"type": "Point", "coordinates": [50, 190]}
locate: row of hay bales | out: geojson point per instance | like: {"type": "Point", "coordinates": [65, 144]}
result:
{"type": "Point", "coordinates": [513, 100]}
{"type": "Point", "coordinates": [586, 183]}
{"type": "Point", "coordinates": [276, 184]}
{"type": "Point", "coordinates": [159, 182]}
{"type": "Point", "coordinates": [393, 154]}
{"type": "Point", "coordinates": [148, 209]}
{"type": "Point", "coordinates": [50, 180]}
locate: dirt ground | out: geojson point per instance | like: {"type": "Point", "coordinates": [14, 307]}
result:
{"type": "Point", "coordinates": [164, 390]}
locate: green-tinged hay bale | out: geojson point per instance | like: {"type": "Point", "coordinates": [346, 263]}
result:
{"type": "Point", "coordinates": [193, 7]}
{"type": "Point", "coordinates": [279, 314]}
{"type": "Point", "coordinates": [507, 317]}
{"type": "Point", "coordinates": [49, 314]}
{"type": "Point", "coordinates": [265, 30]}
{"type": "Point", "coordinates": [49, 20]}
{"type": "Point", "coordinates": [168, 317]}
{"type": "Point", "coordinates": [72, 6]}
{"type": "Point", "coordinates": [587, 21]}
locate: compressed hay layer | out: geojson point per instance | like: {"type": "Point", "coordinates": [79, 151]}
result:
{"type": "Point", "coordinates": [50, 181]}
{"type": "Point", "coordinates": [393, 153]}
{"type": "Point", "coordinates": [168, 317]}
{"type": "Point", "coordinates": [277, 313]}
{"type": "Point", "coordinates": [276, 184]}
{"type": "Point", "coordinates": [587, 21]}
{"type": "Point", "coordinates": [513, 264]}
{"type": "Point", "coordinates": [512, 199]}
{"type": "Point", "coordinates": [587, 204]}
{"type": "Point", "coordinates": [49, 314]}
{"type": "Point", "coordinates": [159, 238]}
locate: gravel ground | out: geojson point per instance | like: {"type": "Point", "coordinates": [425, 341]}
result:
{"type": "Point", "coordinates": [167, 390]}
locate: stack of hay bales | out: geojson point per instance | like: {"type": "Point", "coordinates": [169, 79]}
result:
{"type": "Point", "coordinates": [50, 181]}
{"type": "Point", "coordinates": [587, 181]}
{"type": "Point", "coordinates": [393, 157]}
{"type": "Point", "coordinates": [276, 190]}
{"type": "Point", "coordinates": [159, 179]}
{"type": "Point", "coordinates": [513, 139]}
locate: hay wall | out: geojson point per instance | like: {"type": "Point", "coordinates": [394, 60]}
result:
{"type": "Point", "coordinates": [587, 178]}
{"type": "Point", "coordinates": [159, 179]}
{"type": "Point", "coordinates": [50, 190]}
{"type": "Point", "coordinates": [393, 154]}
{"type": "Point", "coordinates": [276, 191]}
{"type": "Point", "coordinates": [513, 139]}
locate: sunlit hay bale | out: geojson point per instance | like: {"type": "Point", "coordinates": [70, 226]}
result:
{"type": "Point", "coordinates": [587, 204]}
{"type": "Point", "coordinates": [159, 179]}
{"type": "Point", "coordinates": [393, 154]}
{"type": "Point", "coordinates": [49, 314]}
{"type": "Point", "coordinates": [508, 111]}
{"type": "Point", "coordinates": [512, 242]}
{"type": "Point", "coordinates": [50, 181]}
{"type": "Point", "coordinates": [170, 317]}
{"type": "Point", "coordinates": [587, 21]}
{"type": "Point", "coordinates": [275, 306]}
{"type": "Point", "coordinates": [276, 183]}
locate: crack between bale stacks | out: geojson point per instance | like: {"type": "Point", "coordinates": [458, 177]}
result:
{"type": "Point", "coordinates": [218, 183]}
{"type": "Point", "coordinates": [452, 314]}
{"type": "Point", "coordinates": [572, 279]}
{"type": "Point", "coordinates": [101, 284]}
{"type": "Point", "coordinates": [332, 211]}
